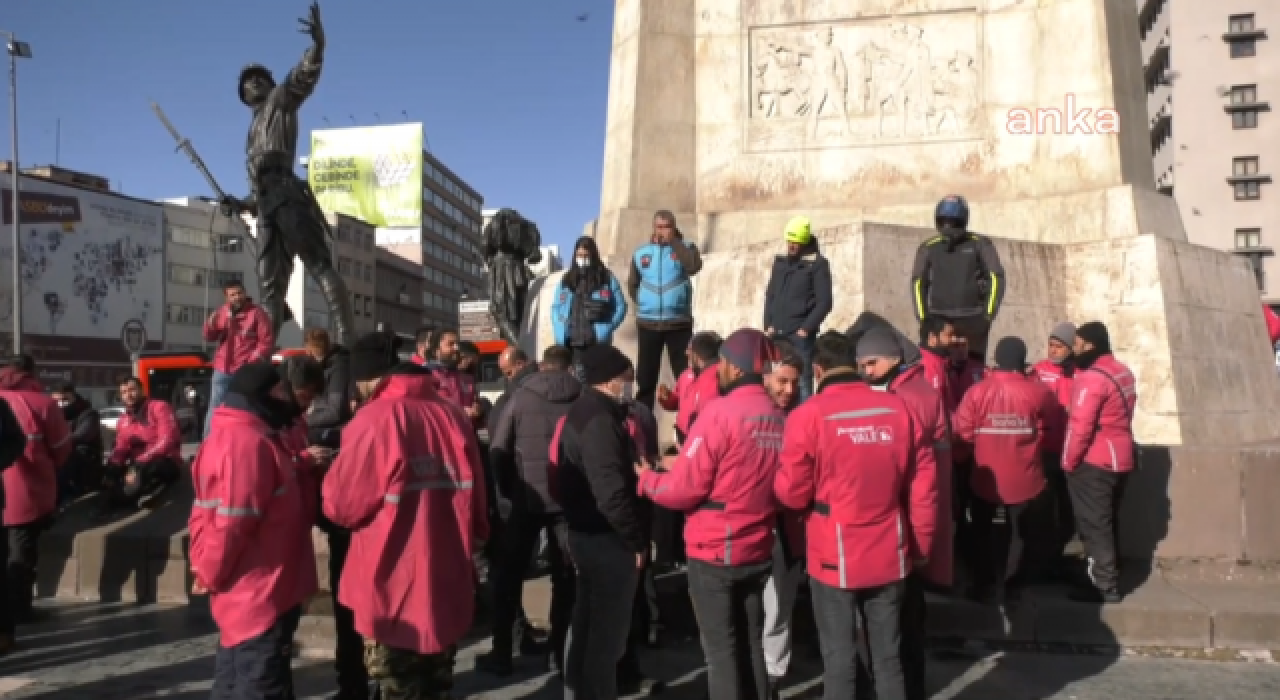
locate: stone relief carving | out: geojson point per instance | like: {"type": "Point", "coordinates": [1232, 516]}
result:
{"type": "Point", "coordinates": [865, 82]}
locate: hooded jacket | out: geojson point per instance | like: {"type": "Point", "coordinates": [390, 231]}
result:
{"type": "Point", "coordinates": [86, 432]}
{"type": "Point", "coordinates": [31, 484]}
{"type": "Point", "coordinates": [332, 409]}
{"type": "Point", "coordinates": [1003, 418]}
{"type": "Point", "coordinates": [518, 444]}
{"type": "Point", "coordinates": [250, 532]}
{"type": "Point", "coordinates": [723, 479]}
{"type": "Point", "coordinates": [242, 336]}
{"type": "Point", "coordinates": [147, 431]}
{"type": "Point", "coordinates": [407, 484]}
{"type": "Point", "coordinates": [500, 405]}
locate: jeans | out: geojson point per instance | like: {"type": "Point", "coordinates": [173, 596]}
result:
{"type": "Point", "coordinates": [519, 541]}
{"type": "Point", "coordinates": [23, 558]}
{"type": "Point", "coordinates": [217, 393]}
{"type": "Point", "coordinates": [258, 668]}
{"type": "Point", "coordinates": [728, 601]}
{"type": "Point", "coordinates": [1022, 537]}
{"type": "Point", "coordinates": [839, 614]}
{"type": "Point", "coordinates": [649, 346]}
{"type": "Point", "coordinates": [804, 348]}
{"type": "Point", "coordinates": [1096, 495]}
{"type": "Point", "coordinates": [348, 653]}
{"type": "Point", "coordinates": [607, 577]}
{"type": "Point", "coordinates": [779, 600]}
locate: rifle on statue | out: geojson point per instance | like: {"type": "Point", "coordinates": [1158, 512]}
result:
{"type": "Point", "coordinates": [184, 145]}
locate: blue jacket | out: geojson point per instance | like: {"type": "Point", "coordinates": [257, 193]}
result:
{"type": "Point", "coordinates": [660, 282]}
{"type": "Point", "coordinates": [563, 304]}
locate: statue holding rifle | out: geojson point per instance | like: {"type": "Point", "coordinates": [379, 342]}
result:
{"type": "Point", "coordinates": [290, 221]}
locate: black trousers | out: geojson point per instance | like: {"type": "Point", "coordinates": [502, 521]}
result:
{"type": "Point", "coordinates": [667, 533]}
{"type": "Point", "coordinates": [258, 668]}
{"type": "Point", "coordinates": [1096, 495]}
{"type": "Point", "coordinates": [975, 330]}
{"type": "Point", "coordinates": [914, 610]}
{"type": "Point", "coordinates": [1064, 518]}
{"type": "Point", "coordinates": [644, 613]}
{"type": "Point", "coordinates": [1021, 533]}
{"type": "Point", "coordinates": [122, 492]}
{"type": "Point", "coordinates": [21, 561]}
{"type": "Point", "coordinates": [839, 615]}
{"type": "Point", "coordinates": [348, 656]}
{"type": "Point", "coordinates": [6, 615]}
{"type": "Point", "coordinates": [519, 539]}
{"type": "Point", "coordinates": [961, 497]}
{"type": "Point", "coordinates": [649, 358]}
{"type": "Point", "coordinates": [729, 604]}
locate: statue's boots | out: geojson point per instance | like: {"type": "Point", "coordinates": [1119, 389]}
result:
{"type": "Point", "coordinates": [339, 302]}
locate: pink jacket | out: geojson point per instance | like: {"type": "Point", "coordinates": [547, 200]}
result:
{"type": "Point", "coordinates": [1003, 418]}
{"type": "Point", "coordinates": [1058, 380]}
{"type": "Point", "coordinates": [31, 484]}
{"type": "Point", "coordinates": [928, 406]}
{"type": "Point", "coordinates": [145, 432]}
{"type": "Point", "coordinates": [250, 537]}
{"type": "Point", "coordinates": [964, 377]}
{"type": "Point", "coordinates": [936, 373]}
{"type": "Point", "coordinates": [682, 383]}
{"type": "Point", "coordinates": [294, 440]}
{"type": "Point", "coordinates": [1273, 324]}
{"type": "Point", "coordinates": [410, 485]}
{"type": "Point", "coordinates": [723, 479]}
{"type": "Point", "coordinates": [454, 386]}
{"type": "Point", "coordinates": [858, 459]}
{"type": "Point", "coordinates": [242, 338]}
{"type": "Point", "coordinates": [702, 389]}
{"type": "Point", "coordinates": [1100, 428]}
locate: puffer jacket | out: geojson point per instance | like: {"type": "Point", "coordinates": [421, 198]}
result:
{"type": "Point", "coordinates": [147, 431]}
{"type": "Point", "coordinates": [518, 445]}
{"type": "Point", "coordinates": [243, 336]}
{"type": "Point", "coordinates": [864, 468]}
{"type": "Point", "coordinates": [1002, 416]}
{"type": "Point", "coordinates": [1100, 428]}
{"type": "Point", "coordinates": [723, 479]}
{"type": "Point", "coordinates": [31, 484]}
{"type": "Point", "coordinates": [1058, 380]}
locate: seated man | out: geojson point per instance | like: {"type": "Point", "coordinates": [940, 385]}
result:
{"type": "Point", "coordinates": [82, 472]}
{"type": "Point", "coordinates": [148, 450]}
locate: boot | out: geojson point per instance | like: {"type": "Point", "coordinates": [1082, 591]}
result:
{"type": "Point", "coordinates": [335, 293]}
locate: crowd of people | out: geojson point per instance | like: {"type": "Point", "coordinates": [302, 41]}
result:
{"type": "Point", "coordinates": [862, 464]}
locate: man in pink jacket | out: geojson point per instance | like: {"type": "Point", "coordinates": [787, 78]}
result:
{"type": "Point", "coordinates": [251, 536]}
{"type": "Point", "coordinates": [723, 481]}
{"type": "Point", "coordinates": [147, 457]}
{"type": "Point", "coordinates": [242, 331]}
{"type": "Point", "coordinates": [1098, 454]}
{"type": "Point", "coordinates": [409, 484]}
{"type": "Point", "coordinates": [862, 466]}
{"type": "Point", "coordinates": [30, 485]}
{"type": "Point", "coordinates": [1057, 372]}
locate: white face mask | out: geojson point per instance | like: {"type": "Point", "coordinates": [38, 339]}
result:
{"type": "Point", "coordinates": [583, 262]}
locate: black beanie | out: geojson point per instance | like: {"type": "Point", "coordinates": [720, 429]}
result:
{"type": "Point", "coordinates": [373, 355]}
{"type": "Point", "coordinates": [1011, 354]}
{"type": "Point", "coordinates": [254, 380]}
{"type": "Point", "coordinates": [1095, 333]}
{"type": "Point", "coordinates": [603, 363]}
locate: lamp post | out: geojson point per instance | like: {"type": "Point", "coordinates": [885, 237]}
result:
{"type": "Point", "coordinates": [17, 49]}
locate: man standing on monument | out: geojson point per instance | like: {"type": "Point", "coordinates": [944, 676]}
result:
{"type": "Point", "coordinates": [660, 285]}
{"type": "Point", "coordinates": [958, 276]}
{"type": "Point", "coordinates": [244, 335]}
{"type": "Point", "coordinates": [289, 219]}
{"type": "Point", "coordinates": [798, 297]}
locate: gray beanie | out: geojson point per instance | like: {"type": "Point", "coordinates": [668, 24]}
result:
{"type": "Point", "coordinates": [879, 342]}
{"type": "Point", "coordinates": [1065, 331]}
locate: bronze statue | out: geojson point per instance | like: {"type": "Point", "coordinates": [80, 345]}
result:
{"type": "Point", "coordinates": [510, 241]}
{"type": "Point", "coordinates": [290, 221]}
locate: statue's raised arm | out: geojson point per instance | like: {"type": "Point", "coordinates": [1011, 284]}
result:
{"type": "Point", "coordinates": [304, 77]}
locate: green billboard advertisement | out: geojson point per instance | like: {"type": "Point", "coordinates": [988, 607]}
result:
{"type": "Point", "coordinates": [373, 173]}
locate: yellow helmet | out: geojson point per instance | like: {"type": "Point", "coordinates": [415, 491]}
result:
{"type": "Point", "coordinates": [799, 231]}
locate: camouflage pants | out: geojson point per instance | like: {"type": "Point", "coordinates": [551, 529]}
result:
{"type": "Point", "coordinates": [407, 675]}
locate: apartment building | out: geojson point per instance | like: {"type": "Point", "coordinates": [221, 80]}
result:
{"type": "Point", "coordinates": [356, 257]}
{"type": "Point", "coordinates": [1215, 140]}
{"type": "Point", "coordinates": [400, 303]}
{"type": "Point", "coordinates": [204, 250]}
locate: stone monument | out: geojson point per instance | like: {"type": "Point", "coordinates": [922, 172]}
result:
{"type": "Point", "coordinates": [861, 114]}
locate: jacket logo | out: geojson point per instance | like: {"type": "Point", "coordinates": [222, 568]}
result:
{"type": "Point", "coordinates": [645, 261]}
{"type": "Point", "coordinates": [868, 435]}
{"type": "Point", "coordinates": [604, 294]}
{"type": "Point", "coordinates": [673, 255]}
{"type": "Point", "coordinates": [564, 296]}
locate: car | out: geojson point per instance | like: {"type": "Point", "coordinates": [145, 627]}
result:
{"type": "Point", "coordinates": [109, 416]}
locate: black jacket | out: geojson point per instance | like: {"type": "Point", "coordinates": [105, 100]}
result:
{"type": "Point", "coordinates": [957, 278]}
{"type": "Point", "coordinates": [495, 413]}
{"type": "Point", "coordinates": [596, 476]}
{"type": "Point", "coordinates": [799, 294]}
{"type": "Point", "coordinates": [518, 444]}
{"type": "Point", "coordinates": [190, 415]}
{"type": "Point", "coordinates": [331, 410]}
{"type": "Point", "coordinates": [86, 431]}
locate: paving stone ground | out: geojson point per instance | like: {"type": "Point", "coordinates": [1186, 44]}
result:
{"type": "Point", "coordinates": [129, 652]}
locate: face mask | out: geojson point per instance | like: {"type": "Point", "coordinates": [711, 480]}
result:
{"type": "Point", "coordinates": [627, 395]}
{"type": "Point", "coordinates": [63, 403]}
{"type": "Point", "coordinates": [584, 262]}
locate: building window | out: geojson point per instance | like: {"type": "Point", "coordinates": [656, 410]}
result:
{"type": "Point", "coordinates": [1248, 238]}
{"type": "Point", "coordinates": [1246, 179]}
{"type": "Point", "coordinates": [185, 274]}
{"type": "Point", "coordinates": [187, 235]}
{"type": "Point", "coordinates": [368, 272]}
{"type": "Point", "coordinates": [344, 266]}
{"type": "Point", "coordinates": [368, 307]}
{"type": "Point", "coordinates": [222, 278]}
{"type": "Point", "coordinates": [1244, 119]}
{"type": "Point", "coordinates": [1244, 167]}
{"type": "Point", "coordinates": [1246, 191]}
{"type": "Point", "coordinates": [230, 244]}
{"type": "Point", "coordinates": [1242, 36]}
{"type": "Point", "coordinates": [184, 314]}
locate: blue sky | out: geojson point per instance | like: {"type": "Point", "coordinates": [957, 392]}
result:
{"type": "Point", "coordinates": [512, 92]}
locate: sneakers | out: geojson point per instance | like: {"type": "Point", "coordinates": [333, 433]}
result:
{"type": "Point", "coordinates": [152, 494]}
{"type": "Point", "coordinates": [1095, 596]}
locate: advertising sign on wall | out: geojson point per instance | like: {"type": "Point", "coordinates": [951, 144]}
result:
{"type": "Point", "coordinates": [371, 173]}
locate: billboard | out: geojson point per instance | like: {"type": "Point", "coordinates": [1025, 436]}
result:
{"type": "Point", "coordinates": [92, 266]}
{"type": "Point", "coordinates": [373, 173]}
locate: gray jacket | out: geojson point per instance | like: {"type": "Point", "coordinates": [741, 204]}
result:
{"type": "Point", "coordinates": [520, 445]}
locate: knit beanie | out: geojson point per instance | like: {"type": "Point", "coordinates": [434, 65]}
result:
{"type": "Point", "coordinates": [1064, 332]}
{"type": "Point", "coordinates": [879, 341]}
{"type": "Point", "coordinates": [749, 350]}
{"type": "Point", "coordinates": [1011, 354]}
{"type": "Point", "coordinates": [603, 363]}
{"type": "Point", "coordinates": [373, 355]}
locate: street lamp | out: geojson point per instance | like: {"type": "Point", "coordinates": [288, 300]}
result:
{"type": "Point", "coordinates": [17, 49]}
